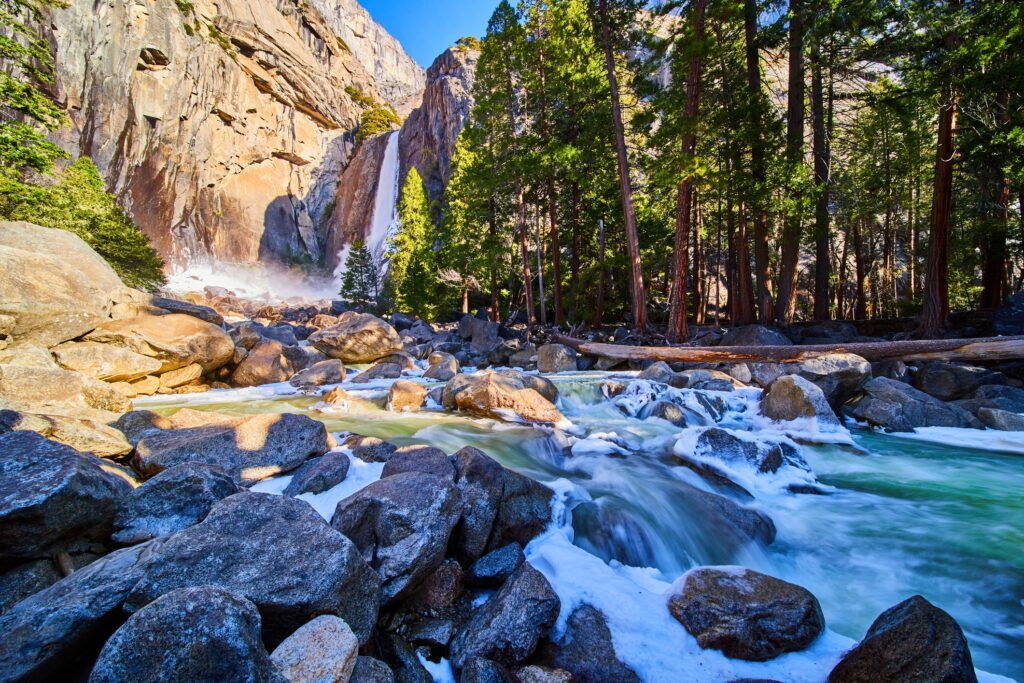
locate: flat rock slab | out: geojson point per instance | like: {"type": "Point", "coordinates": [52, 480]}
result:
{"type": "Point", "coordinates": [176, 340]}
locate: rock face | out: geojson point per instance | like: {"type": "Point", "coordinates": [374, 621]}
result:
{"type": "Point", "coordinates": [913, 641]}
{"type": "Point", "coordinates": [278, 553]}
{"type": "Point", "coordinates": [791, 397]}
{"type": "Point", "coordinates": [401, 525]}
{"type": "Point", "coordinates": [171, 501]}
{"type": "Point", "coordinates": [357, 338]}
{"type": "Point", "coordinates": [323, 651]}
{"type": "Point", "coordinates": [427, 140]}
{"type": "Point", "coordinates": [53, 286]}
{"type": "Point", "coordinates": [223, 126]}
{"type": "Point", "coordinates": [745, 614]}
{"type": "Point", "coordinates": [51, 495]}
{"type": "Point", "coordinates": [507, 628]}
{"type": "Point", "coordinates": [204, 634]}
{"type": "Point", "coordinates": [899, 407]}
{"type": "Point", "coordinates": [105, 362]}
{"type": "Point", "coordinates": [248, 448]}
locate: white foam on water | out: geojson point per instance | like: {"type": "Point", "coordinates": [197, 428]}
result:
{"type": "Point", "coordinates": [360, 474]}
{"type": "Point", "coordinates": [961, 437]}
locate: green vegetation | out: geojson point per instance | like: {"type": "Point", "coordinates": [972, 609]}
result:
{"type": "Point", "coordinates": [185, 7]}
{"type": "Point", "coordinates": [467, 43]}
{"type": "Point", "coordinates": [413, 272]}
{"type": "Point", "coordinates": [344, 46]}
{"type": "Point", "coordinates": [76, 200]}
{"type": "Point", "coordinates": [376, 120]}
{"type": "Point", "coordinates": [361, 282]}
{"type": "Point", "coordinates": [359, 97]}
{"type": "Point", "coordinates": [221, 39]}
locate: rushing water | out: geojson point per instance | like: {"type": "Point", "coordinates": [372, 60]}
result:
{"type": "Point", "coordinates": [896, 518]}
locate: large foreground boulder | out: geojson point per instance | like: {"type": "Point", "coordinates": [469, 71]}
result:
{"type": "Point", "coordinates": [898, 407]}
{"type": "Point", "coordinates": [277, 552]}
{"type": "Point", "coordinates": [46, 632]}
{"type": "Point", "coordinates": [104, 361]}
{"type": "Point", "coordinates": [57, 392]}
{"type": "Point", "coordinates": [52, 496]}
{"type": "Point", "coordinates": [249, 448]}
{"type": "Point", "coordinates": [745, 614]}
{"type": "Point", "coordinates": [264, 364]}
{"type": "Point", "coordinates": [508, 627]}
{"type": "Point", "coordinates": [500, 397]}
{"type": "Point", "coordinates": [911, 642]}
{"type": "Point", "coordinates": [202, 634]}
{"type": "Point", "coordinates": [357, 338]}
{"type": "Point", "coordinates": [53, 286]}
{"type": "Point", "coordinates": [401, 525]}
{"type": "Point", "coordinates": [171, 501]}
{"type": "Point", "coordinates": [792, 397]}
{"type": "Point", "coordinates": [176, 340]}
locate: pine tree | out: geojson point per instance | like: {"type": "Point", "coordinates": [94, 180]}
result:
{"type": "Point", "coordinates": [412, 270]}
{"type": "Point", "coordinates": [361, 281]}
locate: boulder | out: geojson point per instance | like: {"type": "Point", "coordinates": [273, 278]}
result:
{"type": "Point", "coordinates": [1009, 318]}
{"type": "Point", "coordinates": [171, 501]}
{"type": "Point", "coordinates": [792, 397]}
{"type": "Point", "coordinates": [277, 552]}
{"type": "Point", "coordinates": [542, 385]}
{"type": "Point", "coordinates": [202, 634]}
{"type": "Point", "coordinates": [443, 370]}
{"type": "Point", "coordinates": [84, 435]}
{"type": "Point", "coordinates": [426, 459]}
{"type": "Point", "coordinates": [378, 371]}
{"type": "Point", "coordinates": [499, 506]}
{"type": "Point", "coordinates": [188, 308]}
{"type": "Point", "coordinates": [508, 627]}
{"type": "Point", "coordinates": [556, 358]}
{"type": "Point", "coordinates": [405, 395]}
{"type": "Point", "coordinates": [950, 381]}
{"type": "Point", "coordinates": [500, 397]}
{"type": "Point", "coordinates": [659, 371]}
{"type": "Point", "coordinates": [319, 474]}
{"type": "Point", "coordinates": [181, 377]}
{"type": "Point", "coordinates": [58, 392]}
{"type": "Point", "coordinates": [45, 633]}
{"type": "Point", "coordinates": [369, 448]}
{"type": "Point", "coordinates": [586, 650]}
{"type": "Point", "coordinates": [664, 410]}
{"type": "Point", "coordinates": [401, 359]}
{"type": "Point", "coordinates": [53, 286]}
{"type": "Point", "coordinates": [52, 496]}
{"type": "Point", "coordinates": [357, 338]}
{"type": "Point", "coordinates": [323, 651]}
{"type": "Point", "coordinates": [898, 407]}
{"type": "Point", "coordinates": [1002, 420]}
{"type": "Point", "coordinates": [331, 371]}
{"type": "Point", "coordinates": [105, 362]}
{"type": "Point", "coordinates": [745, 614]}
{"type": "Point", "coordinates": [719, 444]}
{"type": "Point", "coordinates": [401, 525]}
{"type": "Point", "coordinates": [176, 340]}
{"type": "Point", "coordinates": [24, 580]}
{"type": "Point", "coordinates": [482, 670]}
{"type": "Point", "coordinates": [370, 670]}
{"type": "Point", "coordinates": [838, 375]}
{"type": "Point", "coordinates": [525, 358]}
{"type": "Point", "coordinates": [264, 364]}
{"type": "Point", "coordinates": [913, 641]}
{"type": "Point", "coordinates": [482, 333]}
{"type": "Point", "coordinates": [755, 335]}
{"type": "Point", "coordinates": [249, 448]}
{"type": "Point", "coordinates": [402, 659]}
{"type": "Point", "coordinates": [491, 570]}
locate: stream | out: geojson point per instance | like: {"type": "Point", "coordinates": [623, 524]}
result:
{"type": "Point", "coordinates": [879, 518]}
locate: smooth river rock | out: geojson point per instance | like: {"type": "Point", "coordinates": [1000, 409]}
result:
{"type": "Point", "coordinates": [323, 651]}
{"type": "Point", "coordinates": [499, 396]}
{"type": "Point", "coordinates": [176, 340]}
{"type": "Point", "coordinates": [792, 397]}
{"type": "Point", "coordinates": [357, 338]}
{"type": "Point", "coordinates": [898, 407]}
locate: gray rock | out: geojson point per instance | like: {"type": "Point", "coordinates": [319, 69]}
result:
{"type": "Point", "coordinates": [44, 633]}
{"type": "Point", "coordinates": [899, 407]}
{"type": "Point", "coordinates": [369, 448]}
{"type": "Point", "coordinates": [401, 525]}
{"type": "Point", "coordinates": [491, 570]}
{"type": "Point", "coordinates": [196, 310]}
{"type": "Point", "coordinates": [52, 496]}
{"type": "Point", "coordinates": [26, 579]}
{"type": "Point", "coordinates": [911, 642]}
{"type": "Point", "coordinates": [330, 371]}
{"type": "Point", "coordinates": [171, 501]}
{"type": "Point", "coordinates": [443, 371]}
{"type": "Point", "coordinates": [660, 371]}
{"type": "Point", "coordinates": [249, 448]}
{"type": "Point", "coordinates": [482, 670]}
{"type": "Point", "coordinates": [202, 634]}
{"type": "Point", "coordinates": [1009, 318]}
{"type": "Point", "coordinates": [838, 375]}
{"type": "Point", "coordinates": [508, 627]}
{"type": "Point", "coordinates": [950, 381]}
{"type": "Point", "coordinates": [996, 397]}
{"type": "Point", "coordinates": [586, 650]}
{"type": "Point", "coordinates": [426, 459]}
{"type": "Point", "coordinates": [729, 522]}
{"type": "Point", "coordinates": [791, 397]}
{"type": "Point", "coordinates": [1002, 420]}
{"type": "Point", "coordinates": [666, 411]}
{"type": "Point", "coordinates": [319, 474]}
{"type": "Point", "coordinates": [370, 670]}
{"type": "Point", "coordinates": [556, 358]}
{"type": "Point", "coordinates": [720, 444]}
{"type": "Point", "coordinates": [755, 335]}
{"type": "Point", "coordinates": [542, 674]}
{"type": "Point", "coordinates": [745, 614]}
{"type": "Point", "coordinates": [378, 371]}
{"type": "Point", "coordinates": [277, 552]}
{"type": "Point", "coordinates": [402, 659]}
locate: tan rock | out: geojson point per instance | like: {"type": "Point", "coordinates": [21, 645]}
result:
{"type": "Point", "coordinates": [264, 364]}
{"type": "Point", "coordinates": [181, 376]}
{"type": "Point", "coordinates": [88, 436]}
{"type": "Point", "coordinates": [500, 397]}
{"type": "Point", "coordinates": [105, 361]}
{"type": "Point", "coordinates": [357, 338]}
{"type": "Point", "coordinates": [322, 651]}
{"type": "Point", "coordinates": [176, 340]}
{"type": "Point", "coordinates": [146, 386]}
{"type": "Point", "coordinates": [405, 395]}
{"type": "Point", "coordinates": [55, 391]}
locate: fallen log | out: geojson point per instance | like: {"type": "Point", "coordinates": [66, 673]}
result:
{"type": "Point", "coordinates": [980, 349]}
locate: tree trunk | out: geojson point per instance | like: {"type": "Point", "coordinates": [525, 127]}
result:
{"type": "Point", "coordinates": [792, 228]}
{"type": "Point", "coordinates": [758, 211]}
{"type": "Point", "coordinates": [822, 164]}
{"type": "Point", "coordinates": [524, 250]}
{"type": "Point", "coordinates": [638, 302]}
{"type": "Point", "coordinates": [860, 309]}
{"type": "Point", "coordinates": [678, 329]}
{"type": "Point", "coordinates": [993, 273]}
{"type": "Point", "coordinates": [599, 304]}
{"type": "Point", "coordinates": [577, 246]}
{"type": "Point", "coordinates": [699, 292]}
{"type": "Point", "coordinates": [745, 307]}
{"type": "Point", "coordinates": [492, 230]}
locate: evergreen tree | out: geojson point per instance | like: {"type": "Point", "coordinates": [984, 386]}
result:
{"type": "Point", "coordinates": [361, 282]}
{"type": "Point", "coordinates": [411, 270]}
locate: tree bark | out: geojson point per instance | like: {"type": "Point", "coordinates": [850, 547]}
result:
{"type": "Point", "coordinates": [993, 274]}
{"type": "Point", "coordinates": [785, 306]}
{"type": "Point", "coordinates": [860, 307]}
{"type": "Point", "coordinates": [985, 348]}
{"type": "Point", "coordinates": [822, 165]}
{"type": "Point", "coordinates": [638, 302]}
{"type": "Point", "coordinates": [678, 329]}
{"type": "Point", "coordinates": [758, 211]}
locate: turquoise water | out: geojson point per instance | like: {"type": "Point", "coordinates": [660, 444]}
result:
{"type": "Point", "coordinates": [900, 518]}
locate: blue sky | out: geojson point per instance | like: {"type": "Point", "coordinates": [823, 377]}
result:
{"type": "Point", "coordinates": [426, 27]}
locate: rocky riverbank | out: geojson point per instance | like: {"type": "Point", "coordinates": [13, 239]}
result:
{"type": "Point", "coordinates": [129, 536]}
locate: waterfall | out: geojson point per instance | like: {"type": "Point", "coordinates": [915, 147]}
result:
{"type": "Point", "coordinates": [385, 208]}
